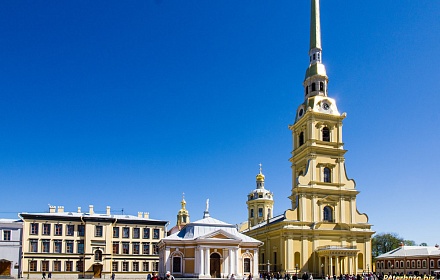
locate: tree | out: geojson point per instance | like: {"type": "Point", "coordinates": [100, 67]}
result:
{"type": "Point", "coordinates": [409, 243]}
{"type": "Point", "coordinates": [385, 242]}
{"type": "Point", "coordinates": [423, 244]}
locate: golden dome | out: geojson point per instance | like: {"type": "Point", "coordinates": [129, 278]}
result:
{"type": "Point", "coordinates": [260, 177]}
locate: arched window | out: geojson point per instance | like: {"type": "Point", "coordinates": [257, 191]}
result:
{"type": "Point", "coordinates": [328, 214]}
{"type": "Point", "coordinates": [327, 175]}
{"type": "Point", "coordinates": [326, 134]}
{"type": "Point", "coordinates": [307, 90]}
{"type": "Point", "coordinates": [301, 139]}
{"type": "Point", "coordinates": [98, 255]}
{"type": "Point", "coordinates": [313, 87]}
{"type": "Point", "coordinates": [252, 213]}
{"type": "Point", "coordinates": [321, 86]}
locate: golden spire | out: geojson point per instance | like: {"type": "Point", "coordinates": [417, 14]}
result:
{"type": "Point", "coordinates": [260, 176]}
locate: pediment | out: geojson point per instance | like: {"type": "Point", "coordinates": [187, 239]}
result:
{"type": "Point", "coordinates": [219, 235]}
{"type": "Point", "coordinates": [328, 200]}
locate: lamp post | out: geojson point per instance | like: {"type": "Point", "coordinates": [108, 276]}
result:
{"type": "Point", "coordinates": [322, 271]}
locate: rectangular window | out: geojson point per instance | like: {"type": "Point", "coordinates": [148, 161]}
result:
{"type": "Point", "coordinates": [69, 265]}
{"type": "Point", "coordinates": [136, 233]}
{"type": "Point", "coordinates": [125, 232]}
{"type": "Point", "coordinates": [79, 266]}
{"type": "Point", "coordinates": [33, 265]}
{"type": "Point", "coordinates": [44, 265]}
{"type": "Point", "coordinates": [69, 230]}
{"type": "Point", "coordinates": [69, 246]}
{"type": "Point", "coordinates": [247, 265]}
{"type": "Point", "coordinates": [56, 265]}
{"type": "Point", "coordinates": [125, 248]}
{"type": "Point", "coordinates": [155, 249]}
{"type": "Point", "coordinates": [146, 248]}
{"type": "Point", "coordinates": [156, 266]}
{"type": "Point", "coordinates": [145, 266]}
{"type": "Point", "coordinates": [424, 264]}
{"type": "Point", "coordinates": [98, 231]}
{"type": "Point", "coordinates": [116, 232]}
{"type": "Point", "coordinates": [146, 233]}
{"type": "Point", "coordinates": [260, 212]}
{"type": "Point", "coordinates": [58, 230]}
{"type": "Point", "coordinates": [45, 245]}
{"type": "Point", "coordinates": [80, 248]}
{"type": "Point", "coordinates": [124, 266]}
{"type": "Point", "coordinates": [177, 261]}
{"type": "Point", "coordinates": [7, 235]}
{"type": "Point", "coordinates": [116, 248]}
{"type": "Point", "coordinates": [33, 245]}
{"type": "Point", "coordinates": [34, 228]}
{"type": "Point", "coordinates": [252, 213]}
{"type": "Point", "coordinates": [156, 233]}
{"type": "Point", "coordinates": [115, 266]}
{"type": "Point", "coordinates": [136, 248]}
{"type": "Point", "coordinates": [81, 230]}
{"type": "Point", "coordinates": [57, 245]}
{"type": "Point", "coordinates": [431, 263]}
{"type": "Point", "coordinates": [135, 266]}
{"type": "Point", "coordinates": [46, 229]}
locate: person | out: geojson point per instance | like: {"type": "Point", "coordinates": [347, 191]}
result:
{"type": "Point", "coordinates": [155, 277]}
{"type": "Point", "coordinates": [44, 275]}
{"type": "Point", "coordinates": [311, 277]}
{"type": "Point", "coordinates": [149, 276]}
{"type": "Point", "coordinates": [49, 275]}
{"type": "Point", "coordinates": [168, 276]}
{"type": "Point", "coordinates": [232, 277]}
{"type": "Point", "coordinates": [249, 276]}
{"type": "Point", "coordinates": [113, 276]}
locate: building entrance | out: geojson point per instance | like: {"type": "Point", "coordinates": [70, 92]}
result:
{"type": "Point", "coordinates": [215, 265]}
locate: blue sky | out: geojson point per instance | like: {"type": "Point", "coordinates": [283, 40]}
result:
{"type": "Point", "coordinates": [130, 104]}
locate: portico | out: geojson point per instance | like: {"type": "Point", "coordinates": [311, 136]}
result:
{"type": "Point", "coordinates": [336, 260]}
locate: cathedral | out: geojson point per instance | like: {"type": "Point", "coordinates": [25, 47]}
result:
{"type": "Point", "coordinates": [323, 233]}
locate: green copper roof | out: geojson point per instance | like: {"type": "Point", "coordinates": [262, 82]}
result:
{"type": "Point", "coordinates": [316, 69]}
{"type": "Point", "coordinates": [315, 26]}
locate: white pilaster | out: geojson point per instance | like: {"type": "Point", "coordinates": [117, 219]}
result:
{"type": "Point", "coordinates": [167, 259]}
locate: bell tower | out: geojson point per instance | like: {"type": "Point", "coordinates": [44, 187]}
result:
{"type": "Point", "coordinates": [321, 190]}
{"type": "Point", "coordinates": [260, 202]}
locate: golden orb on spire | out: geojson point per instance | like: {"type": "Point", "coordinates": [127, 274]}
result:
{"type": "Point", "coordinates": [260, 176]}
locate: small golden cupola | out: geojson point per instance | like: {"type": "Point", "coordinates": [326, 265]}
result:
{"type": "Point", "coordinates": [260, 202]}
{"type": "Point", "coordinates": [183, 215]}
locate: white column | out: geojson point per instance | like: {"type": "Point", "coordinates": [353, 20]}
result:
{"type": "Point", "coordinates": [202, 261]}
{"type": "Point", "coordinates": [167, 259]}
{"type": "Point", "coordinates": [231, 268]}
{"type": "Point", "coordinates": [226, 262]}
{"type": "Point", "coordinates": [236, 259]}
{"type": "Point", "coordinates": [255, 270]}
{"type": "Point", "coordinates": [207, 264]}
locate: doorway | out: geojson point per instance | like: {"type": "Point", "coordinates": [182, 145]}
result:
{"type": "Point", "coordinates": [97, 270]}
{"type": "Point", "coordinates": [5, 268]}
{"type": "Point", "coordinates": [214, 263]}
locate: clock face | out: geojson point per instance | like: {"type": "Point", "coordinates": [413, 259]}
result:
{"type": "Point", "coordinates": [301, 112]}
{"type": "Point", "coordinates": [325, 106]}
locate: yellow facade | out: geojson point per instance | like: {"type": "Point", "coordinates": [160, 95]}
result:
{"type": "Point", "coordinates": [323, 232]}
{"type": "Point", "coordinates": [76, 244]}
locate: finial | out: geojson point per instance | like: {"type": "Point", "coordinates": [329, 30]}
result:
{"type": "Point", "coordinates": [261, 167]}
{"type": "Point", "coordinates": [206, 212]}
